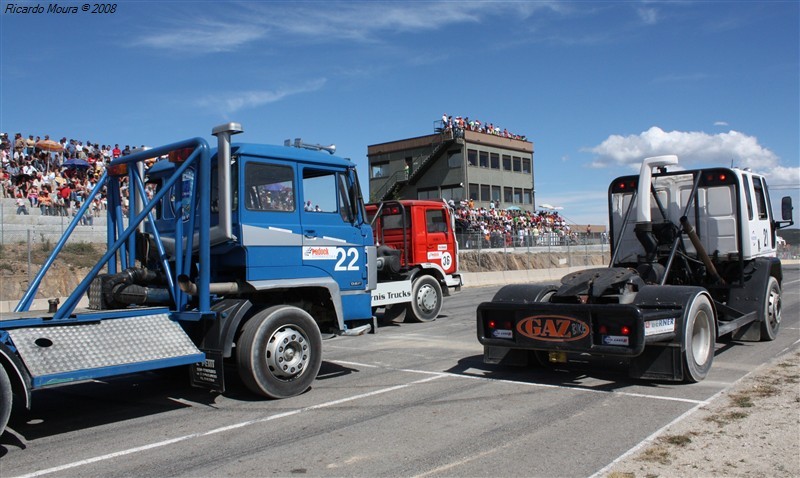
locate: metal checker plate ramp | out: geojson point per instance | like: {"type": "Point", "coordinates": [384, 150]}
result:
{"type": "Point", "coordinates": [107, 343]}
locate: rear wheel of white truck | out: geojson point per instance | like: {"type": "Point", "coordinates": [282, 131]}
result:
{"type": "Point", "coordinates": [279, 352]}
{"type": "Point", "coordinates": [6, 399]}
{"type": "Point", "coordinates": [699, 339]}
{"type": "Point", "coordinates": [426, 300]}
{"type": "Point", "coordinates": [771, 315]}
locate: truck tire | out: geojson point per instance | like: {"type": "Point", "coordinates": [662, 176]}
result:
{"type": "Point", "coordinates": [6, 399]}
{"type": "Point", "coordinates": [771, 314]}
{"type": "Point", "coordinates": [426, 300]}
{"type": "Point", "coordinates": [699, 338]}
{"type": "Point", "coordinates": [279, 352]}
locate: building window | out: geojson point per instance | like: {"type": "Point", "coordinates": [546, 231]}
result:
{"type": "Point", "coordinates": [517, 164]}
{"type": "Point", "coordinates": [496, 195]}
{"type": "Point", "coordinates": [495, 160]}
{"type": "Point", "coordinates": [506, 162]}
{"type": "Point", "coordinates": [472, 157]}
{"type": "Point", "coordinates": [526, 196]}
{"type": "Point", "coordinates": [517, 196]}
{"type": "Point", "coordinates": [508, 195]}
{"type": "Point", "coordinates": [484, 161]}
{"type": "Point", "coordinates": [474, 191]}
{"type": "Point", "coordinates": [428, 193]}
{"type": "Point", "coordinates": [456, 193]}
{"type": "Point", "coordinates": [526, 165]}
{"type": "Point", "coordinates": [380, 170]}
{"type": "Point", "coordinates": [485, 193]}
{"type": "Point", "coordinates": [454, 159]}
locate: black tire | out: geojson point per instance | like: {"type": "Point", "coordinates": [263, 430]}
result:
{"type": "Point", "coordinates": [6, 399]}
{"type": "Point", "coordinates": [279, 352]}
{"type": "Point", "coordinates": [699, 338]}
{"type": "Point", "coordinates": [426, 300]}
{"type": "Point", "coordinates": [771, 313]}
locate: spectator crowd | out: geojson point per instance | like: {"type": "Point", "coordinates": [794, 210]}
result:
{"type": "Point", "coordinates": [494, 227]}
{"type": "Point", "coordinates": [460, 124]}
{"type": "Point", "coordinates": [54, 176]}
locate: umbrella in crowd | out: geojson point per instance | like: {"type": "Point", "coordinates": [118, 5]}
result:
{"type": "Point", "coordinates": [49, 145]}
{"type": "Point", "coordinates": [75, 163]}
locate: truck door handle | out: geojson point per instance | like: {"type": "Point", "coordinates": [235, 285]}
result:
{"type": "Point", "coordinates": [310, 234]}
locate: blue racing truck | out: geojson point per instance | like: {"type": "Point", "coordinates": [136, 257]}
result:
{"type": "Point", "coordinates": [247, 254]}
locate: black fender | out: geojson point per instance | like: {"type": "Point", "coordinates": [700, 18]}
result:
{"type": "Point", "coordinates": [220, 335]}
{"type": "Point", "coordinates": [751, 298]}
{"type": "Point", "coordinates": [662, 359]}
{"type": "Point", "coordinates": [523, 293]}
{"type": "Point", "coordinates": [21, 383]}
{"type": "Point", "coordinates": [673, 296]}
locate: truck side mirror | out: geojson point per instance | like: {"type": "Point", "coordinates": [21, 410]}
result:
{"type": "Point", "coordinates": [786, 208]}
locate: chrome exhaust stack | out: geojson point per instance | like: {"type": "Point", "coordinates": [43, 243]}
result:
{"type": "Point", "coordinates": [223, 133]}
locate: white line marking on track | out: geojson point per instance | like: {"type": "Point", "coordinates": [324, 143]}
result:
{"type": "Point", "coordinates": [539, 385]}
{"type": "Point", "coordinates": [215, 431]}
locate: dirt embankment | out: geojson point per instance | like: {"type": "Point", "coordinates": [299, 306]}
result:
{"type": "Point", "coordinates": [77, 259]}
{"type": "Point", "coordinates": [19, 265]}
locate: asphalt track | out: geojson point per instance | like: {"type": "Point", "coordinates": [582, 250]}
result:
{"type": "Point", "coordinates": [413, 400]}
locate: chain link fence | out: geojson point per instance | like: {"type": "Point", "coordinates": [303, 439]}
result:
{"type": "Point", "coordinates": [504, 252]}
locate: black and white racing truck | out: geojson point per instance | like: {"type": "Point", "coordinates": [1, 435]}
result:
{"type": "Point", "coordinates": [693, 259]}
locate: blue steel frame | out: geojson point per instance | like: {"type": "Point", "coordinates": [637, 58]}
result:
{"type": "Point", "coordinates": [121, 240]}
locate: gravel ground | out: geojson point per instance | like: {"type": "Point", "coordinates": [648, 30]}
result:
{"type": "Point", "coordinates": [753, 429]}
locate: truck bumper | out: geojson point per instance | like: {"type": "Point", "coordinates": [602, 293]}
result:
{"type": "Point", "coordinates": [597, 329]}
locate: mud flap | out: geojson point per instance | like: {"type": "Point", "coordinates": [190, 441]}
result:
{"type": "Point", "coordinates": [210, 373]}
{"type": "Point", "coordinates": [658, 362]}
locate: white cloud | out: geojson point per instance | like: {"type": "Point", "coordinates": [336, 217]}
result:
{"type": "Point", "coordinates": [229, 28]}
{"type": "Point", "coordinates": [720, 123]}
{"type": "Point", "coordinates": [649, 16]}
{"type": "Point", "coordinates": [233, 102]}
{"type": "Point", "coordinates": [783, 176]}
{"type": "Point", "coordinates": [694, 148]}
{"type": "Point", "coordinates": [202, 37]}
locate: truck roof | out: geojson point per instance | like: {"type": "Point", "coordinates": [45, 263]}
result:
{"type": "Point", "coordinates": [411, 202]}
{"type": "Point", "coordinates": [288, 153]}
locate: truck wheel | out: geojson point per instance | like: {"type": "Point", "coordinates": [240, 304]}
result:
{"type": "Point", "coordinates": [426, 300]}
{"type": "Point", "coordinates": [6, 399]}
{"type": "Point", "coordinates": [699, 338]}
{"type": "Point", "coordinates": [771, 315]}
{"type": "Point", "coordinates": [279, 352]}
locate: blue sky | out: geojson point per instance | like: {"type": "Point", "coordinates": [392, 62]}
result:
{"type": "Point", "coordinates": [596, 86]}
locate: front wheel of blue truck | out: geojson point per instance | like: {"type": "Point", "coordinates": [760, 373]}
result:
{"type": "Point", "coordinates": [6, 399]}
{"type": "Point", "coordinates": [279, 352]}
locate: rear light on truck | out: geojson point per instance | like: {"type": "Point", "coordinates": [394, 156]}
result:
{"type": "Point", "coordinates": [613, 334]}
{"type": "Point", "coordinates": [499, 329]}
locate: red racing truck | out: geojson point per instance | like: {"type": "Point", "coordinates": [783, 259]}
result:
{"type": "Point", "coordinates": [417, 258]}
